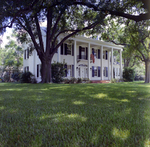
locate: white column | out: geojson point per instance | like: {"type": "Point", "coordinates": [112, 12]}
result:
{"type": "Point", "coordinates": [112, 61]}
{"type": "Point", "coordinates": [75, 59]}
{"type": "Point", "coordinates": [108, 65]}
{"type": "Point", "coordinates": [101, 62]}
{"type": "Point", "coordinates": [58, 53]}
{"type": "Point", "coordinates": [89, 61]}
{"type": "Point", "coordinates": [120, 64]}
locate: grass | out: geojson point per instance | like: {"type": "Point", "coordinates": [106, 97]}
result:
{"type": "Point", "coordinates": [75, 115]}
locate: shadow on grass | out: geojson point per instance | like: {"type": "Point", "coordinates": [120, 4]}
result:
{"type": "Point", "coordinates": [74, 115]}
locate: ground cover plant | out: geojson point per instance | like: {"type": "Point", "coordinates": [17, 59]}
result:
{"type": "Point", "coordinates": [72, 115]}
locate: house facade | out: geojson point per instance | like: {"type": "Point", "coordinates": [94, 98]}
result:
{"type": "Point", "coordinates": [84, 58]}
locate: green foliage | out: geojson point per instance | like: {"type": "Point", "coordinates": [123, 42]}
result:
{"type": "Point", "coordinates": [73, 80]}
{"type": "Point", "coordinates": [7, 77]}
{"type": "Point", "coordinates": [1, 80]}
{"type": "Point", "coordinates": [128, 74]}
{"type": "Point", "coordinates": [79, 80]}
{"type": "Point", "coordinates": [58, 72]}
{"type": "Point", "coordinates": [26, 77]}
{"type": "Point", "coordinates": [64, 16]}
{"type": "Point", "coordinates": [16, 76]}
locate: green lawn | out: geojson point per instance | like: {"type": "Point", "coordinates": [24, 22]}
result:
{"type": "Point", "coordinates": [84, 115]}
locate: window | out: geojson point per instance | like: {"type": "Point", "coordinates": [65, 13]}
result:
{"type": "Point", "coordinates": [68, 49]}
{"type": "Point", "coordinates": [26, 69]}
{"type": "Point", "coordinates": [26, 54]}
{"type": "Point", "coordinates": [105, 71]}
{"type": "Point", "coordinates": [95, 53]}
{"type": "Point", "coordinates": [95, 71]}
{"type": "Point", "coordinates": [38, 70]}
{"type": "Point", "coordinates": [69, 71]}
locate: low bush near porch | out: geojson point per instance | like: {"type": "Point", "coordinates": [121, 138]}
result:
{"type": "Point", "coordinates": [72, 115]}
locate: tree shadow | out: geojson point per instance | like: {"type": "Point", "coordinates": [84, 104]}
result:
{"type": "Point", "coordinates": [74, 115]}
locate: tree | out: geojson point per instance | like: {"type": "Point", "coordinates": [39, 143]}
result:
{"type": "Point", "coordinates": [11, 59]}
{"type": "Point", "coordinates": [136, 38]}
{"type": "Point", "coordinates": [62, 16]}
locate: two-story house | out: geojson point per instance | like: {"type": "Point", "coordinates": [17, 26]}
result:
{"type": "Point", "coordinates": [84, 58]}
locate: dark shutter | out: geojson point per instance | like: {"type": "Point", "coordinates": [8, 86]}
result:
{"type": "Point", "coordinates": [72, 70]}
{"type": "Point", "coordinates": [62, 49]}
{"type": "Point", "coordinates": [106, 71]}
{"type": "Point", "coordinates": [37, 70]}
{"type": "Point", "coordinates": [106, 55]}
{"type": "Point", "coordinates": [98, 53]}
{"type": "Point", "coordinates": [72, 49]}
{"type": "Point", "coordinates": [25, 54]}
{"type": "Point", "coordinates": [92, 71]}
{"type": "Point", "coordinates": [66, 49]}
{"type": "Point", "coordinates": [80, 52]}
{"type": "Point", "coordinates": [27, 68]}
{"type": "Point", "coordinates": [86, 53]}
{"type": "Point", "coordinates": [65, 66]}
{"type": "Point", "coordinates": [99, 70]}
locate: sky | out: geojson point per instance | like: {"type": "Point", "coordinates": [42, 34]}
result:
{"type": "Point", "coordinates": [4, 37]}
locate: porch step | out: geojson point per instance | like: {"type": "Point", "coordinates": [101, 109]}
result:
{"type": "Point", "coordinates": [100, 81]}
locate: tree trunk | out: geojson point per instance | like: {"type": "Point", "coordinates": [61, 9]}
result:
{"type": "Point", "coordinates": [46, 71]}
{"type": "Point", "coordinates": [147, 71]}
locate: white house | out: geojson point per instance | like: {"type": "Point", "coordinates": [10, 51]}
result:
{"type": "Point", "coordinates": [84, 58]}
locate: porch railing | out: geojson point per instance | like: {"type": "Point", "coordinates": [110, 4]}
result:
{"type": "Point", "coordinates": [84, 57]}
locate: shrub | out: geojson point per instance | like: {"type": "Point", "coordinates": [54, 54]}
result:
{"type": "Point", "coordinates": [26, 77]}
{"type": "Point", "coordinates": [113, 81]}
{"type": "Point", "coordinates": [128, 74]}
{"type": "Point", "coordinates": [6, 77]}
{"type": "Point", "coordinates": [66, 81]}
{"type": "Point", "coordinates": [1, 80]}
{"type": "Point", "coordinates": [79, 80]}
{"type": "Point", "coordinates": [86, 80]}
{"type": "Point", "coordinates": [16, 76]}
{"type": "Point", "coordinates": [73, 80]}
{"type": "Point", "coordinates": [33, 80]}
{"type": "Point", "coordinates": [138, 77]}
{"type": "Point", "coordinates": [58, 72]}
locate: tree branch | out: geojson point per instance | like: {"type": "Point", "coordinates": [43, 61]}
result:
{"type": "Point", "coordinates": [73, 33]}
{"type": "Point", "coordinates": [39, 32]}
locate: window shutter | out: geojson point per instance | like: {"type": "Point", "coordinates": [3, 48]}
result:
{"type": "Point", "coordinates": [98, 53]}
{"type": "Point", "coordinates": [106, 71]}
{"type": "Point", "coordinates": [80, 52]}
{"type": "Point", "coordinates": [92, 71]}
{"type": "Point", "coordinates": [65, 66]}
{"type": "Point", "coordinates": [66, 49]}
{"type": "Point", "coordinates": [24, 69]}
{"type": "Point", "coordinates": [37, 70]}
{"type": "Point", "coordinates": [99, 69]}
{"type": "Point", "coordinates": [27, 68]}
{"type": "Point", "coordinates": [106, 55]}
{"type": "Point", "coordinates": [86, 53]}
{"type": "Point", "coordinates": [62, 49]}
{"type": "Point", "coordinates": [72, 70]}
{"type": "Point", "coordinates": [25, 54]}
{"type": "Point", "coordinates": [72, 49]}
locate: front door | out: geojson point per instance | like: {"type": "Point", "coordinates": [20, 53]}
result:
{"type": "Point", "coordinates": [83, 72]}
